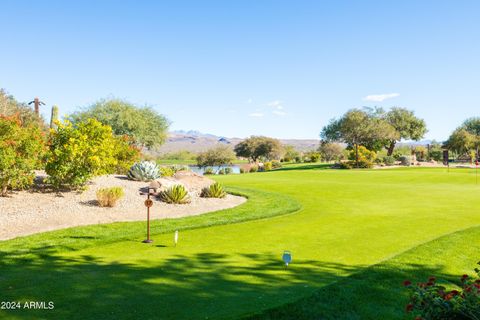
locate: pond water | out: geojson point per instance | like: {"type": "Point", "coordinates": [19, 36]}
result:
{"type": "Point", "coordinates": [201, 170]}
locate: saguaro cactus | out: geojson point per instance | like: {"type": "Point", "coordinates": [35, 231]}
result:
{"type": "Point", "coordinates": [54, 117]}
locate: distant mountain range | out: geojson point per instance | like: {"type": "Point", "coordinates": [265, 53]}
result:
{"type": "Point", "coordinates": [196, 141]}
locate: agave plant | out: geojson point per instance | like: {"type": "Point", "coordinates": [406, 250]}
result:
{"type": "Point", "coordinates": [214, 191]}
{"type": "Point", "coordinates": [144, 171]}
{"type": "Point", "coordinates": [175, 194]}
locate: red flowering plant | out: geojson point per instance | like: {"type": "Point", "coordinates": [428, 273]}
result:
{"type": "Point", "coordinates": [431, 301]}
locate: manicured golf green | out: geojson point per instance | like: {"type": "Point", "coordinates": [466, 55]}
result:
{"type": "Point", "coordinates": [336, 223]}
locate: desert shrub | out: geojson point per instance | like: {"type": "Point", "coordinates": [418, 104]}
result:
{"type": "Point", "coordinates": [344, 165]}
{"type": "Point", "coordinates": [80, 152]}
{"type": "Point", "coordinates": [267, 166]}
{"type": "Point", "coordinates": [421, 153]}
{"type": "Point", "coordinates": [253, 168]}
{"type": "Point", "coordinates": [126, 154]}
{"type": "Point", "coordinates": [213, 191]}
{"type": "Point", "coordinates": [108, 197]}
{"type": "Point", "coordinates": [405, 160]}
{"type": "Point", "coordinates": [389, 160]}
{"type": "Point", "coordinates": [431, 301]}
{"type": "Point", "coordinates": [362, 164]}
{"type": "Point", "coordinates": [21, 151]}
{"type": "Point", "coordinates": [290, 153]}
{"type": "Point", "coordinates": [179, 167]}
{"type": "Point", "coordinates": [176, 194]}
{"type": "Point", "coordinates": [217, 156]}
{"type": "Point", "coordinates": [167, 171]}
{"type": "Point", "coordinates": [363, 154]}
{"type": "Point", "coordinates": [144, 171]}
{"type": "Point", "coordinates": [436, 155]}
{"type": "Point", "coordinates": [208, 171]}
{"type": "Point", "coordinates": [276, 164]}
{"type": "Point", "coordinates": [312, 157]}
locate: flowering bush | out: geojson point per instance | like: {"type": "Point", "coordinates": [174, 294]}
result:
{"type": "Point", "coordinates": [431, 301]}
{"type": "Point", "coordinates": [79, 152]}
{"type": "Point", "coordinates": [363, 154]}
{"type": "Point", "coordinates": [21, 151]}
{"type": "Point", "coordinates": [126, 154]}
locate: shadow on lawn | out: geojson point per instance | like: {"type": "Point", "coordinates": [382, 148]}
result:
{"type": "Point", "coordinates": [205, 285]}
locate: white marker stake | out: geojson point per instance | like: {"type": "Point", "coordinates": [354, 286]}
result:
{"type": "Point", "coordinates": [176, 237]}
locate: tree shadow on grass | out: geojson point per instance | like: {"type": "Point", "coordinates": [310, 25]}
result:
{"type": "Point", "coordinates": [375, 292]}
{"type": "Point", "coordinates": [199, 286]}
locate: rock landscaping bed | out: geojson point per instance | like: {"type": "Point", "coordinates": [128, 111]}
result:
{"type": "Point", "coordinates": [28, 212]}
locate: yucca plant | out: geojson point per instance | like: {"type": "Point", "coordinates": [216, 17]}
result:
{"type": "Point", "coordinates": [176, 194]}
{"type": "Point", "coordinates": [144, 171]}
{"type": "Point", "coordinates": [213, 191]}
{"type": "Point", "coordinates": [108, 197]}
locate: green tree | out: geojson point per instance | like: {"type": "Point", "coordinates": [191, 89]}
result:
{"type": "Point", "coordinates": [257, 147]}
{"type": "Point", "coordinates": [359, 128]}
{"type": "Point", "coordinates": [21, 151]}
{"type": "Point", "coordinates": [406, 125]}
{"type": "Point", "coordinates": [290, 153]}
{"type": "Point", "coordinates": [472, 126]}
{"type": "Point", "coordinates": [217, 156]}
{"type": "Point", "coordinates": [331, 151]}
{"type": "Point", "coordinates": [461, 141]}
{"type": "Point", "coordinates": [143, 124]}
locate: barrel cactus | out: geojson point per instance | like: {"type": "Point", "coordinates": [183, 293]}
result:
{"type": "Point", "coordinates": [144, 171]}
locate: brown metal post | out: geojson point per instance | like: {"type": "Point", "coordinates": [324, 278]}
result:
{"type": "Point", "coordinates": [148, 204]}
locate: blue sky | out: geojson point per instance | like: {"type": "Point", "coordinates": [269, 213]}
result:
{"type": "Point", "coordinates": [237, 68]}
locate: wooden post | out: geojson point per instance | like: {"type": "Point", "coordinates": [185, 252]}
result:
{"type": "Point", "coordinates": [37, 103]}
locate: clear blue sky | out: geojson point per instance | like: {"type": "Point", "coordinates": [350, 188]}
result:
{"type": "Point", "coordinates": [236, 68]}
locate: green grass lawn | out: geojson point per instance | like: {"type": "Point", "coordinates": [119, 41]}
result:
{"type": "Point", "coordinates": [354, 235]}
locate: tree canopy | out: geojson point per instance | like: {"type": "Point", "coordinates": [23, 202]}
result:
{"type": "Point", "coordinates": [360, 128]}
{"type": "Point", "coordinates": [466, 137]}
{"type": "Point", "coordinates": [406, 125]}
{"type": "Point", "coordinates": [217, 156]}
{"type": "Point", "coordinates": [331, 151]}
{"type": "Point", "coordinates": [257, 147]}
{"type": "Point", "coordinates": [147, 127]}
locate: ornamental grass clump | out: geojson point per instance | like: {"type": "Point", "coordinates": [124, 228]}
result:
{"type": "Point", "coordinates": [213, 191]}
{"type": "Point", "coordinates": [176, 194]}
{"type": "Point", "coordinates": [108, 197]}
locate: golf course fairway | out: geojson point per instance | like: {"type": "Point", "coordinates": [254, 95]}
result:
{"type": "Point", "coordinates": [355, 235]}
